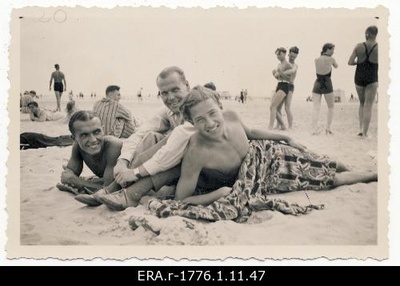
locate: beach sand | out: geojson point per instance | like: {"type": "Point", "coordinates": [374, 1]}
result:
{"type": "Point", "coordinates": [52, 217]}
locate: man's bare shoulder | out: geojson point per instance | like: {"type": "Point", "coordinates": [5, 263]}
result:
{"type": "Point", "coordinates": [112, 140]}
{"type": "Point", "coordinates": [231, 115]}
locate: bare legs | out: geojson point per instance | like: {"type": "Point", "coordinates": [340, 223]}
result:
{"type": "Point", "coordinates": [287, 101]}
{"type": "Point", "coordinates": [330, 99]}
{"type": "Point", "coordinates": [277, 98]}
{"type": "Point", "coordinates": [58, 98]}
{"type": "Point", "coordinates": [367, 97]}
{"type": "Point", "coordinates": [349, 178]}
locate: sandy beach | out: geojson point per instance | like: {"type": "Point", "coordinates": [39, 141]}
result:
{"type": "Point", "coordinates": [51, 217]}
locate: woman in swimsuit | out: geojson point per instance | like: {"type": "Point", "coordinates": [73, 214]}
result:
{"type": "Point", "coordinates": [323, 86]}
{"type": "Point", "coordinates": [365, 56]}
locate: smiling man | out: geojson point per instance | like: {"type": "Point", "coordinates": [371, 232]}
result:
{"type": "Point", "coordinates": [92, 147]}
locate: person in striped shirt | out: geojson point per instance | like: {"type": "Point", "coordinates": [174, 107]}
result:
{"type": "Point", "coordinates": [115, 118]}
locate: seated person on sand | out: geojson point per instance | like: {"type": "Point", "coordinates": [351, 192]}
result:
{"type": "Point", "coordinates": [25, 99]}
{"type": "Point", "coordinates": [38, 114]}
{"type": "Point", "coordinates": [70, 109]}
{"type": "Point", "coordinates": [147, 160]}
{"type": "Point", "coordinates": [116, 119]}
{"type": "Point", "coordinates": [216, 152]}
{"type": "Point", "coordinates": [92, 147]}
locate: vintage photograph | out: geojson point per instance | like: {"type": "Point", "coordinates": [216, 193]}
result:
{"type": "Point", "coordinates": [143, 132]}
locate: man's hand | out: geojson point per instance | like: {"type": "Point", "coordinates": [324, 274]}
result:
{"type": "Point", "coordinates": [121, 166]}
{"type": "Point", "coordinates": [67, 176]}
{"type": "Point", "coordinates": [125, 177]}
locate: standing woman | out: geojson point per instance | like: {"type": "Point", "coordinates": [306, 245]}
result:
{"type": "Point", "coordinates": [323, 86]}
{"type": "Point", "coordinates": [59, 87]}
{"type": "Point", "coordinates": [365, 56]}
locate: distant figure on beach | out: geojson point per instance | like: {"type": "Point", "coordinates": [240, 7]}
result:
{"type": "Point", "coordinates": [70, 110]}
{"type": "Point", "coordinates": [270, 163]}
{"type": "Point", "coordinates": [116, 119]}
{"type": "Point", "coordinates": [241, 98]}
{"type": "Point", "coordinates": [60, 85]}
{"type": "Point", "coordinates": [291, 73]}
{"type": "Point", "coordinates": [365, 56]}
{"type": "Point", "coordinates": [92, 147]}
{"type": "Point", "coordinates": [25, 99]}
{"type": "Point", "coordinates": [323, 86]}
{"type": "Point", "coordinates": [40, 115]}
{"type": "Point", "coordinates": [282, 89]}
{"type": "Point", "coordinates": [212, 86]}
{"type": "Point", "coordinates": [351, 97]}
{"type": "Point", "coordinates": [139, 94]}
{"type": "Point", "coordinates": [150, 157]}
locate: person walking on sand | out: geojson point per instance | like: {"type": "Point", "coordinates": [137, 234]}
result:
{"type": "Point", "coordinates": [59, 87]}
{"type": "Point", "coordinates": [282, 89]}
{"type": "Point", "coordinates": [365, 56]}
{"type": "Point", "coordinates": [323, 86]}
{"type": "Point", "coordinates": [92, 148]}
{"type": "Point", "coordinates": [291, 73]}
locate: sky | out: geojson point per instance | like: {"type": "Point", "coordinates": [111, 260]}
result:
{"type": "Point", "coordinates": [233, 48]}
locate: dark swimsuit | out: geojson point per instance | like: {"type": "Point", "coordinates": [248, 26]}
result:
{"type": "Point", "coordinates": [58, 86]}
{"type": "Point", "coordinates": [366, 72]}
{"type": "Point", "coordinates": [211, 180]}
{"type": "Point", "coordinates": [284, 86]}
{"type": "Point", "coordinates": [323, 84]}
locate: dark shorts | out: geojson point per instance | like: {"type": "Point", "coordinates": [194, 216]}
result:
{"type": "Point", "coordinates": [323, 85]}
{"type": "Point", "coordinates": [291, 87]}
{"type": "Point", "coordinates": [284, 86]}
{"type": "Point", "coordinates": [58, 86]}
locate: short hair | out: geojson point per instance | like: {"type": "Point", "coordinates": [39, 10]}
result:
{"type": "Point", "coordinates": [294, 50]}
{"type": "Point", "coordinates": [280, 50]}
{"type": "Point", "coordinates": [57, 66]}
{"type": "Point", "coordinates": [33, 103]}
{"type": "Point", "coordinates": [372, 31]}
{"type": "Point", "coordinates": [327, 46]}
{"type": "Point", "coordinates": [82, 115]}
{"type": "Point", "coordinates": [170, 70]}
{"type": "Point", "coordinates": [196, 95]}
{"type": "Point", "coordinates": [211, 86]}
{"type": "Point", "coordinates": [112, 88]}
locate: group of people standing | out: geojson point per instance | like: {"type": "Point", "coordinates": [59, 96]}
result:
{"type": "Point", "coordinates": [364, 56]}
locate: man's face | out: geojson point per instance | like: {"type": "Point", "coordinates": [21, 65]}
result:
{"type": "Point", "coordinates": [208, 119]}
{"type": "Point", "coordinates": [292, 56]}
{"type": "Point", "coordinates": [89, 135]}
{"type": "Point", "coordinates": [33, 109]}
{"type": "Point", "coordinates": [116, 95]}
{"type": "Point", "coordinates": [173, 91]}
{"type": "Point", "coordinates": [280, 56]}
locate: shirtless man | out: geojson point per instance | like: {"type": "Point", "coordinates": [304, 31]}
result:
{"type": "Point", "coordinates": [290, 75]}
{"type": "Point", "coordinates": [98, 152]}
{"type": "Point", "coordinates": [40, 115]}
{"type": "Point", "coordinates": [282, 89]}
{"type": "Point", "coordinates": [365, 56]}
{"type": "Point", "coordinates": [59, 87]}
{"type": "Point", "coordinates": [221, 143]}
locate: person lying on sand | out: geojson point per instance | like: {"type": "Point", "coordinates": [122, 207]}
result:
{"type": "Point", "coordinates": [92, 147]}
{"type": "Point", "coordinates": [150, 156]}
{"type": "Point", "coordinates": [40, 115]}
{"type": "Point", "coordinates": [221, 144]}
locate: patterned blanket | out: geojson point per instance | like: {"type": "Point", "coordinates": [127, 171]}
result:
{"type": "Point", "coordinates": [269, 167]}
